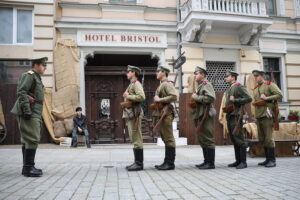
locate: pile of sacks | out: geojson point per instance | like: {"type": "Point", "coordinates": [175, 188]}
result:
{"type": "Point", "coordinates": [63, 128]}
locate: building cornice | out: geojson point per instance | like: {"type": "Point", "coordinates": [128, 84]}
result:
{"type": "Point", "coordinates": [96, 23]}
{"type": "Point", "coordinates": [118, 7]}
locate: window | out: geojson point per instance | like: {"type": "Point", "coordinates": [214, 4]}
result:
{"type": "Point", "coordinates": [10, 71]}
{"type": "Point", "coordinates": [216, 73]}
{"type": "Point", "coordinates": [123, 1]}
{"type": "Point", "coordinates": [16, 25]}
{"type": "Point", "coordinates": [271, 7]}
{"type": "Point", "coordinates": [272, 68]}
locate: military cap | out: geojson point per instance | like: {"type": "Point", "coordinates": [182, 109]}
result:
{"type": "Point", "coordinates": [258, 72]}
{"type": "Point", "coordinates": [39, 61]}
{"type": "Point", "coordinates": [162, 68]}
{"type": "Point", "coordinates": [134, 69]}
{"type": "Point", "coordinates": [200, 69]}
{"type": "Point", "coordinates": [231, 73]}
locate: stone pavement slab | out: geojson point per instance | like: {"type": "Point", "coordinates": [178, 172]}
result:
{"type": "Point", "coordinates": [99, 173]}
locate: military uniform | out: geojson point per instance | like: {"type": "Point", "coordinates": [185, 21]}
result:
{"type": "Point", "coordinates": [204, 100]}
{"type": "Point", "coordinates": [167, 94]}
{"type": "Point", "coordinates": [264, 115]}
{"type": "Point", "coordinates": [241, 97]}
{"type": "Point", "coordinates": [136, 95]}
{"type": "Point", "coordinates": [28, 109]}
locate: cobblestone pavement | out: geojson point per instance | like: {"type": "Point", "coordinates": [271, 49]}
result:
{"type": "Point", "coordinates": [99, 173]}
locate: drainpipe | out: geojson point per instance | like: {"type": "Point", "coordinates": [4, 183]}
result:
{"type": "Point", "coordinates": [179, 48]}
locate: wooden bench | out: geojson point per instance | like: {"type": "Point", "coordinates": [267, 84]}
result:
{"type": "Point", "coordinates": [284, 147]}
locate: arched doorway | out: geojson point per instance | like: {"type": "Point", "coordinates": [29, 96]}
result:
{"type": "Point", "coordinates": [105, 83]}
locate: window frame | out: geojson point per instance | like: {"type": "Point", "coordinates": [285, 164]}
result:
{"type": "Point", "coordinates": [15, 25]}
{"type": "Point", "coordinates": [275, 8]}
{"type": "Point", "coordinates": [282, 69]}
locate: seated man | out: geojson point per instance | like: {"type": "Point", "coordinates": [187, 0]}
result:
{"type": "Point", "coordinates": [80, 127]}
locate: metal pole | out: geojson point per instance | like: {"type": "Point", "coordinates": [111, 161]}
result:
{"type": "Point", "coordinates": [180, 85]}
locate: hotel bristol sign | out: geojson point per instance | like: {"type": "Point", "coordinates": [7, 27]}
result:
{"type": "Point", "coordinates": [122, 39]}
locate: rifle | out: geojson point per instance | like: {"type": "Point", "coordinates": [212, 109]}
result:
{"type": "Point", "coordinates": [238, 122]}
{"type": "Point", "coordinates": [241, 115]}
{"type": "Point", "coordinates": [201, 120]}
{"type": "Point", "coordinates": [157, 127]}
{"type": "Point", "coordinates": [276, 108]}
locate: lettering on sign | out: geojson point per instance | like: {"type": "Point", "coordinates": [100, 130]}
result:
{"type": "Point", "coordinates": [122, 39]}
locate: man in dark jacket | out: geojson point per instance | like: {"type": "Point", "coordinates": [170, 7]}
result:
{"type": "Point", "coordinates": [80, 127]}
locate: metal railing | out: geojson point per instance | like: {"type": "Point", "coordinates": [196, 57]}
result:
{"type": "Point", "coordinates": [235, 7]}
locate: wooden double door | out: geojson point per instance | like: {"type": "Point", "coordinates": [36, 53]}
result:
{"type": "Point", "coordinates": [104, 92]}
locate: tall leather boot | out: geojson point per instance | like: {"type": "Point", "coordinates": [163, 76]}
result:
{"type": "Point", "coordinates": [157, 166]}
{"type": "Point", "coordinates": [23, 153]}
{"type": "Point", "coordinates": [74, 141]}
{"type": "Point", "coordinates": [170, 159]}
{"type": "Point", "coordinates": [134, 160]}
{"type": "Point", "coordinates": [237, 157]}
{"type": "Point", "coordinates": [139, 159]}
{"type": "Point", "coordinates": [87, 141]}
{"type": "Point", "coordinates": [210, 159]}
{"type": "Point", "coordinates": [29, 169]}
{"type": "Point", "coordinates": [243, 158]}
{"type": "Point", "coordinates": [266, 155]}
{"type": "Point", "coordinates": [23, 156]}
{"type": "Point", "coordinates": [204, 150]}
{"type": "Point", "coordinates": [271, 158]}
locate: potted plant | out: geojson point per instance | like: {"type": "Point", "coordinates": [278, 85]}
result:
{"type": "Point", "coordinates": [294, 115]}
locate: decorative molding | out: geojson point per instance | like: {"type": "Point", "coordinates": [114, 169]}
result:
{"type": "Point", "coordinates": [205, 28]}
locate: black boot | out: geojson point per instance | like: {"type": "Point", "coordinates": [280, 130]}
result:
{"type": "Point", "coordinates": [29, 169]}
{"type": "Point", "coordinates": [204, 150]}
{"type": "Point", "coordinates": [267, 156]}
{"type": "Point", "coordinates": [243, 158]}
{"type": "Point", "coordinates": [210, 160]}
{"type": "Point", "coordinates": [139, 159]}
{"type": "Point", "coordinates": [271, 158]}
{"type": "Point", "coordinates": [170, 159]}
{"type": "Point", "coordinates": [74, 141]}
{"type": "Point", "coordinates": [134, 160]}
{"type": "Point", "coordinates": [23, 153]}
{"type": "Point", "coordinates": [87, 141]}
{"type": "Point", "coordinates": [157, 166]}
{"type": "Point", "coordinates": [237, 157]}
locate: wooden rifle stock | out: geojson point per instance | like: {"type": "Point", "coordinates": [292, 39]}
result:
{"type": "Point", "coordinates": [276, 113]}
{"type": "Point", "coordinates": [201, 120]}
{"type": "Point", "coordinates": [157, 127]}
{"type": "Point", "coordinates": [238, 123]}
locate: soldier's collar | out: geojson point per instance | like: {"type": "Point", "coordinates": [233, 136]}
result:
{"type": "Point", "coordinates": [164, 80]}
{"type": "Point", "coordinates": [133, 81]}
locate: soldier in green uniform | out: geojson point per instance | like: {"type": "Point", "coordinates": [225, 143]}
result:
{"type": "Point", "coordinates": [265, 94]}
{"type": "Point", "coordinates": [133, 115]}
{"type": "Point", "coordinates": [204, 98]}
{"type": "Point", "coordinates": [28, 109]}
{"type": "Point", "coordinates": [166, 94]}
{"type": "Point", "coordinates": [236, 96]}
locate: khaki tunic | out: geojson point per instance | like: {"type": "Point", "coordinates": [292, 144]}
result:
{"type": "Point", "coordinates": [205, 97]}
{"type": "Point", "coordinates": [167, 94]}
{"type": "Point", "coordinates": [137, 96]}
{"type": "Point", "coordinates": [265, 124]}
{"type": "Point", "coordinates": [241, 97]}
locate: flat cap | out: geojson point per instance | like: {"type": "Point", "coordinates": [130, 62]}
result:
{"type": "Point", "coordinates": [200, 69]}
{"type": "Point", "coordinates": [134, 69]}
{"type": "Point", "coordinates": [231, 73]}
{"type": "Point", "coordinates": [258, 72]}
{"type": "Point", "coordinates": [162, 68]}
